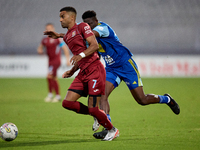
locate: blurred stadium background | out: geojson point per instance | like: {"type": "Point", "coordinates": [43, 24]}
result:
{"type": "Point", "coordinates": [146, 27]}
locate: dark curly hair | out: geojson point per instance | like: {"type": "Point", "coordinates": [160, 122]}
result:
{"type": "Point", "coordinates": [89, 14]}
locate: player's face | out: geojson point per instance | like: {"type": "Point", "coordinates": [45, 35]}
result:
{"type": "Point", "coordinates": [92, 22]}
{"type": "Point", "coordinates": [65, 19]}
{"type": "Point", "coordinates": [50, 28]}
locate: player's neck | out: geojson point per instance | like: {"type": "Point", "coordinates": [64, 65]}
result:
{"type": "Point", "coordinates": [71, 25]}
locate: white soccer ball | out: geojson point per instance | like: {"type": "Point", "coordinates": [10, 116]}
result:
{"type": "Point", "coordinates": [8, 131]}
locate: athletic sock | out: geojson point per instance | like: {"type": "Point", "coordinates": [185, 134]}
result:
{"type": "Point", "coordinates": [109, 118]}
{"type": "Point", "coordinates": [56, 86]}
{"type": "Point", "coordinates": [75, 106]}
{"type": "Point", "coordinates": [101, 117]}
{"type": "Point", "coordinates": [164, 99]}
{"type": "Point", "coordinates": [50, 85]}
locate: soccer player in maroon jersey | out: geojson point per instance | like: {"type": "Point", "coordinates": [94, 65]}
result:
{"type": "Point", "coordinates": [53, 51]}
{"type": "Point", "coordinates": [91, 77]}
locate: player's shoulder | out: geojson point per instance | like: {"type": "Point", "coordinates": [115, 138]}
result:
{"type": "Point", "coordinates": [84, 28]}
{"type": "Point", "coordinates": [44, 39]}
{"type": "Point", "coordinates": [102, 28]}
{"type": "Point", "coordinates": [102, 24]}
{"type": "Point", "coordinates": [82, 24]}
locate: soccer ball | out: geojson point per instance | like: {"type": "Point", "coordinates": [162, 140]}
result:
{"type": "Point", "coordinates": [8, 131]}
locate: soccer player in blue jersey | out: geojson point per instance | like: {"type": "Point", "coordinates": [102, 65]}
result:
{"type": "Point", "coordinates": [120, 66]}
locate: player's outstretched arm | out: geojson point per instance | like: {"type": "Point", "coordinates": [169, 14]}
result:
{"type": "Point", "coordinates": [53, 34]}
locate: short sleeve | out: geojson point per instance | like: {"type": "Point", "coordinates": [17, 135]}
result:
{"type": "Point", "coordinates": [43, 41]}
{"type": "Point", "coordinates": [85, 30]}
{"type": "Point", "coordinates": [102, 30]}
{"type": "Point", "coordinates": [61, 42]}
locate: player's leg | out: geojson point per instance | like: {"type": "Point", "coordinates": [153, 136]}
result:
{"type": "Point", "coordinates": [57, 98]}
{"type": "Point", "coordinates": [50, 85]}
{"type": "Point", "coordinates": [75, 91]}
{"type": "Point", "coordinates": [134, 82]}
{"type": "Point", "coordinates": [70, 102]}
{"type": "Point", "coordinates": [104, 105]}
{"type": "Point", "coordinates": [94, 110]}
{"type": "Point", "coordinates": [96, 87]}
{"type": "Point", "coordinates": [112, 81]}
{"type": "Point", "coordinates": [145, 99]}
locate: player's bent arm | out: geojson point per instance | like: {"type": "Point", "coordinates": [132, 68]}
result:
{"type": "Point", "coordinates": [40, 49]}
{"type": "Point", "coordinates": [93, 46]}
{"type": "Point", "coordinates": [67, 55]}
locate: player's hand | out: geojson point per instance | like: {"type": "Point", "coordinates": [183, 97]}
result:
{"type": "Point", "coordinates": [40, 51]}
{"type": "Point", "coordinates": [52, 34]}
{"type": "Point", "coordinates": [67, 74]}
{"type": "Point", "coordinates": [75, 59]}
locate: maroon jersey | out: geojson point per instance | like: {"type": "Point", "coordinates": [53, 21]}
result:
{"type": "Point", "coordinates": [75, 38]}
{"type": "Point", "coordinates": [53, 49]}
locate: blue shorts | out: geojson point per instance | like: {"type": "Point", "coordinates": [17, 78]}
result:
{"type": "Point", "coordinates": [128, 72]}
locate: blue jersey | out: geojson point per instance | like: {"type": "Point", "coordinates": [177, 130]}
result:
{"type": "Point", "coordinates": [110, 48]}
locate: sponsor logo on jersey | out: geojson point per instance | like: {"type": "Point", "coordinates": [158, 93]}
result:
{"type": "Point", "coordinates": [86, 27]}
{"type": "Point", "coordinates": [88, 31]}
{"type": "Point", "coordinates": [100, 28]}
{"type": "Point", "coordinates": [96, 90]}
{"type": "Point", "coordinates": [73, 33]}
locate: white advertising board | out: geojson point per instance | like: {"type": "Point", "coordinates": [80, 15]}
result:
{"type": "Point", "coordinates": [168, 66]}
{"type": "Point", "coordinates": [149, 66]}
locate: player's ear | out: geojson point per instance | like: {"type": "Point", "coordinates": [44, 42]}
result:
{"type": "Point", "coordinates": [73, 15]}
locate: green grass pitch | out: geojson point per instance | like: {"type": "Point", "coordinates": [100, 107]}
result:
{"type": "Point", "coordinates": [49, 126]}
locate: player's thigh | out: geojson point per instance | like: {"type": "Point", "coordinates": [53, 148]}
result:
{"type": "Point", "coordinates": [52, 70]}
{"type": "Point", "coordinates": [131, 75]}
{"type": "Point", "coordinates": [77, 86]}
{"type": "Point", "coordinates": [112, 80]}
{"type": "Point", "coordinates": [109, 88]}
{"type": "Point", "coordinates": [72, 96]}
{"type": "Point", "coordinates": [55, 69]}
{"type": "Point", "coordinates": [96, 81]}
